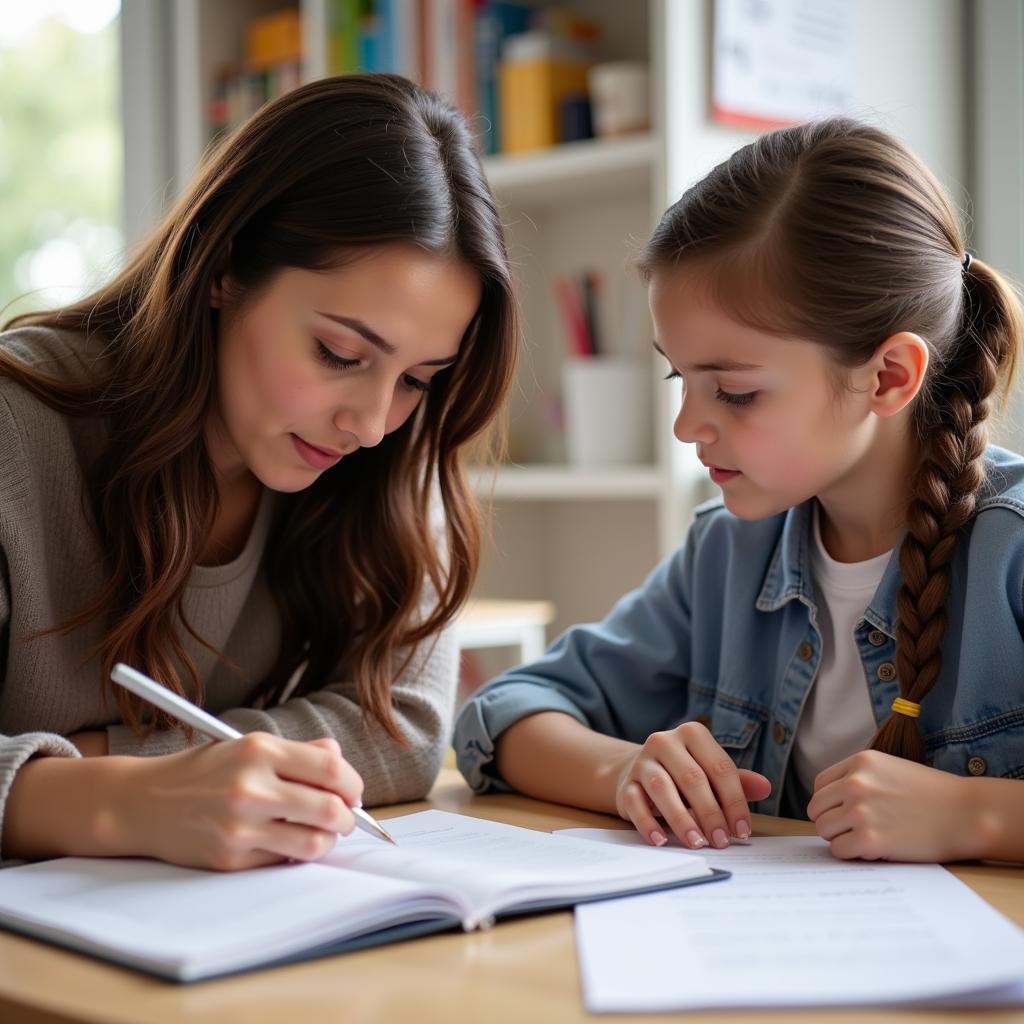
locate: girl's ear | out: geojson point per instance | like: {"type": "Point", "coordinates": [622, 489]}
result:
{"type": "Point", "coordinates": [898, 370]}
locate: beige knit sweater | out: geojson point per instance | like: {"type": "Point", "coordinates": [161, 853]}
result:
{"type": "Point", "coordinates": [50, 567]}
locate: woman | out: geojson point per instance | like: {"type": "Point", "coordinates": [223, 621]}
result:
{"type": "Point", "coordinates": [220, 468]}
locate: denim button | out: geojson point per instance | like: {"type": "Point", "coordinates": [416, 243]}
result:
{"type": "Point", "coordinates": [876, 638]}
{"type": "Point", "coordinates": [886, 671]}
{"type": "Point", "coordinates": [779, 732]}
{"type": "Point", "coordinates": [805, 651]}
{"type": "Point", "coordinates": [977, 765]}
{"type": "Point", "coordinates": [704, 720]}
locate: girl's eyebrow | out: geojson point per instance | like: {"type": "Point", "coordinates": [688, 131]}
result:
{"type": "Point", "coordinates": [721, 366]}
{"type": "Point", "coordinates": [367, 332]}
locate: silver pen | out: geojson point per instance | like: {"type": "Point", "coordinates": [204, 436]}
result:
{"type": "Point", "coordinates": [185, 711]}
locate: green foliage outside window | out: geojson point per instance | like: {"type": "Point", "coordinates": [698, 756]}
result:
{"type": "Point", "coordinates": [60, 162]}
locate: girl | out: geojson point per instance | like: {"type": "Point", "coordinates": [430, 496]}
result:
{"type": "Point", "coordinates": [841, 635]}
{"type": "Point", "coordinates": [219, 469]}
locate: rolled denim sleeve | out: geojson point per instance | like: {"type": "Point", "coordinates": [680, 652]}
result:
{"type": "Point", "coordinates": [625, 676]}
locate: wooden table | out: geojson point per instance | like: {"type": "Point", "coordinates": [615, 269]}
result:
{"type": "Point", "coordinates": [522, 970]}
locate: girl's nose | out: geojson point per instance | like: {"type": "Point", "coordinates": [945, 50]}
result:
{"type": "Point", "coordinates": [691, 426]}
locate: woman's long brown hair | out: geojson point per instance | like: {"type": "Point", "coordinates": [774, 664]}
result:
{"type": "Point", "coordinates": [834, 232]}
{"type": "Point", "coordinates": [330, 169]}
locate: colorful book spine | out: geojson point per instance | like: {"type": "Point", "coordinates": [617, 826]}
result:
{"type": "Point", "coordinates": [495, 21]}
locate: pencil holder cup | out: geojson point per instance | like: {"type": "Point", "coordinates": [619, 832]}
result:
{"type": "Point", "coordinates": [607, 403]}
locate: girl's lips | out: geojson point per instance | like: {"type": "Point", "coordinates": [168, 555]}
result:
{"type": "Point", "coordinates": [315, 457]}
{"type": "Point", "coordinates": [721, 476]}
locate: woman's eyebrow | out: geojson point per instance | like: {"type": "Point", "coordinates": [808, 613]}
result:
{"type": "Point", "coordinates": [365, 331]}
{"type": "Point", "coordinates": [720, 366]}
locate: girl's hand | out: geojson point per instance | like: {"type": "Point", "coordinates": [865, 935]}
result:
{"type": "Point", "coordinates": [237, 803]}
{"type": "Point", "coordinates": [685, 777]}
{"type": "Point", "coordinates": [875, 806]}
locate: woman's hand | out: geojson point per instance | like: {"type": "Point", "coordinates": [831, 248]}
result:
{"type": "Point", "coordinates": [875, 806]}
{"type": "Point", "coordinates": [237, 803]}
{"type": "Point", "coordinates": [685, 777]}
{"type": "Point", "coordinates": [92, 743]}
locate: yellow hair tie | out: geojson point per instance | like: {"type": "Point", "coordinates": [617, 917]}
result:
{"type": "Point", "coordinates": [906, 707]}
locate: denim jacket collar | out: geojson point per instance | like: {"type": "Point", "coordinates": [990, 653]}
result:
{"type": "Point", "coordinates": [789, 573]}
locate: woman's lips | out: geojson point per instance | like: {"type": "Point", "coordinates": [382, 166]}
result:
{"type": "Point", "coordinates": [318, 458]}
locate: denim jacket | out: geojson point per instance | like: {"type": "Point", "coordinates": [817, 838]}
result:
{"type": "Point", "coordinates": [724, 632]}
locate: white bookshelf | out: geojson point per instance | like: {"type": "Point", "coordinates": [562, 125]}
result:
{"type": "Point", "coordinates": [578, 537]}
{"type": "Point", "coordinates": [569, 483]}
{"type": "Point", "coordinates": [575, 171]}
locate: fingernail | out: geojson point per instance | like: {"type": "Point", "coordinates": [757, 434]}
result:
{"type": "Point", "coordinates": [657, 838]}
{"type": "Point", "coordinates": [742, 829]}
{"type": "Point", "coordinates": [695, 839]}
{"type": "Point", "coordinates": [719, 838]}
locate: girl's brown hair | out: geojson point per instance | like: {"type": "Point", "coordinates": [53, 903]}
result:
{"type": "Point", "coordinates": [330, 169]}
{"type": "Point", "coordinates": [834, 232]}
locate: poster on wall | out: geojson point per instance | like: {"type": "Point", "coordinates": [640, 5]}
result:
{"type": "Point", "coordinates": [779, 62]}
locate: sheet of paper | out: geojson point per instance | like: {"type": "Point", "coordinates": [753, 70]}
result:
{"type": "Point", "coordinates": [796, 927]}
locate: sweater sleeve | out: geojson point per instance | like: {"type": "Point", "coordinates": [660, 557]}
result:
{"type": "Point", "coordinates": [422, 703]}
{"type": "Point", "coordinates": [16, 750]}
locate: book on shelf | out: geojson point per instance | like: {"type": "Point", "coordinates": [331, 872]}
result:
{"type": "Point", "coordinates": [517, 70]}
{"type": "Point", "coordinates": [447, 871]}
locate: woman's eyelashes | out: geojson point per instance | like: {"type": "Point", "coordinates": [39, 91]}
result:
{"type": "Point", "coordinates": [332, 359]}
{"type": "Point", "coordinates": [335, 362]}
{"type": "Point", "coordinates": [729, 397]}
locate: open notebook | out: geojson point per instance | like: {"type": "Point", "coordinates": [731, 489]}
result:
{"type": "Point", "coordinates": [448, 870]}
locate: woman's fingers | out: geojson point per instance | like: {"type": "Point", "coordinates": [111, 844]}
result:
{"type": "Point", "coordinates": [318, 764]}
{"type": "Point", "coordinates": [270, 843]}
{"type": "Point", "coordinates": [317, 808]}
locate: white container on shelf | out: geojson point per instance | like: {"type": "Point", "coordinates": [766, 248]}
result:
{"type": "Point", "coordinates": [619, 97]}
{"type": "Point", "coordinates": [607, 411]}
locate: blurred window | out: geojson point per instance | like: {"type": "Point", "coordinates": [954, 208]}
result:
{"type": "Point", "coordinates": [60, 151]}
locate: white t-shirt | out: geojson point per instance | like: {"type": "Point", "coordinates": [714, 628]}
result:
{"type": "Point", "coordinates": [837, 719]}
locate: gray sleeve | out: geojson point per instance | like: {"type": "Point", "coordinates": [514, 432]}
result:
{"type": "Point", "coordinates": [16, 750]}
{"type": "Point", "coordinates": [625, 676]}
{"type": "Point", "coordinates": [422, 703]}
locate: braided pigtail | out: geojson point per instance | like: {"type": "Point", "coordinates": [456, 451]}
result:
{"type": "Point", "coordinates": [952, 434]}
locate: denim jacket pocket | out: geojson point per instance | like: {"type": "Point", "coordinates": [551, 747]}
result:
{"type": "Point", "coordinates": [992, 747]}
{"type": "Point", "coordinates": [736, 729]}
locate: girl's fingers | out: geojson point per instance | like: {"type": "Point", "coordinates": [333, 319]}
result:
{"type": "Point", "coordinates": [831, 774]}
{"type": "Point", "coordinates": [824, 799]}
{"type": "Point", "coordinates": [689, 778]}
{"type": "Point", "coordinates": [832, 823]}
{"type": "Point", "coordinates": [755, 785]}
{"type": "Point", "coordinates": [660, 789]}
{"type": "Point", "coordinates": [728, 797]}
{"type": "Point", "coordinates": [637, 808]}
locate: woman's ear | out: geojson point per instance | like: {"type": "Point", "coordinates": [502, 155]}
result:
{"type": "Point", "coordinates": [898, 370]}
{"type": "Point", "coordinates": [221, 289]}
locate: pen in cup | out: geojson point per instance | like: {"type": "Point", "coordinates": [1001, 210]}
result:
{"type": "Point", "coordinates": [185, 711]}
